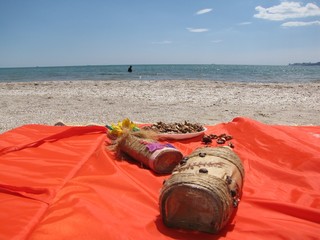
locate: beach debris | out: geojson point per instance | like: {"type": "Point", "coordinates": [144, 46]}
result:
{"type": "Point", "coordinates": [219, 139]}
{"type": "Point", "coordinates": [231, 145]}
{"type": "Point", "coordinates": [206, 139]}
{"type": "Point", "coordinates": [185, 127]}
{"type": "Point", "coordinates": [60, 123]}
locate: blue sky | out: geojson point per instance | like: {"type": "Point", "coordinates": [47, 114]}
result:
{"type": "Point", "coordinates": [107, 32]}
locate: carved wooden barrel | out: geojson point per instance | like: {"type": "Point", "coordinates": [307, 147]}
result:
{"type": "Point", "coordinates": [203, 191]}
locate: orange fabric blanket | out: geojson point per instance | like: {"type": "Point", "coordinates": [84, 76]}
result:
{"type": "Point", "coordinates": [62, 183]}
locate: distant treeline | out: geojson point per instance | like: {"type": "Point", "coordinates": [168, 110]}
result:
{"type": "Point", "coordinates": [305, 64]}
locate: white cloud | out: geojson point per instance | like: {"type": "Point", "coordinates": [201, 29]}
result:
{"type": "Point", "coordinates": [203, 11]}
{"type": "Point", "coordinates": [286, 10]}
{"type": "Point", "coordinates": [216, 41]}
{"type": "Point", "coordinates": [244, 23]}
{"type": "Point", "coordinates": [300, 24]}
{"type": "Point", "coordinates": [162, 42]}
{"type": "Point", "coordinates": [197, 30]}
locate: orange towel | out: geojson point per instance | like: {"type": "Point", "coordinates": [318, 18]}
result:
{"type": "Point", "coordinates": [62, 183]}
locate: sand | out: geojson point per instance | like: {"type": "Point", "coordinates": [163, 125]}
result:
{"type": "Point", "coordinates": [204, 102]}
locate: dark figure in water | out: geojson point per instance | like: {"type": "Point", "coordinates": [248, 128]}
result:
{"type": "Point", "coordinates": [130, 69]}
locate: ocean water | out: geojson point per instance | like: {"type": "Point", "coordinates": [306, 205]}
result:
{"type": "Point", "coordinates": [227, 73]}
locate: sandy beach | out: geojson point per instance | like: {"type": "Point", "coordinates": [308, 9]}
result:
{"type": "Point", "coordinates": [204, 102]}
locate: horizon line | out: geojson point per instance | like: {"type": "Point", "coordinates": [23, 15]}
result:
{"type": "Point", "coordinates": [140, 64]}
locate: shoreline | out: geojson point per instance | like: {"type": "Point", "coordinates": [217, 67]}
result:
{"type": "Point", "coordinates": [205, 102]}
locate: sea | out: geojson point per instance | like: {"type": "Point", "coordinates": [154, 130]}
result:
{"type": "Point", "coordinates": [214, 72]}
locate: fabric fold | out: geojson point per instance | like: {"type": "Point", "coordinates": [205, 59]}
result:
{"type": "Point", "coordinates": [38, 168]}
